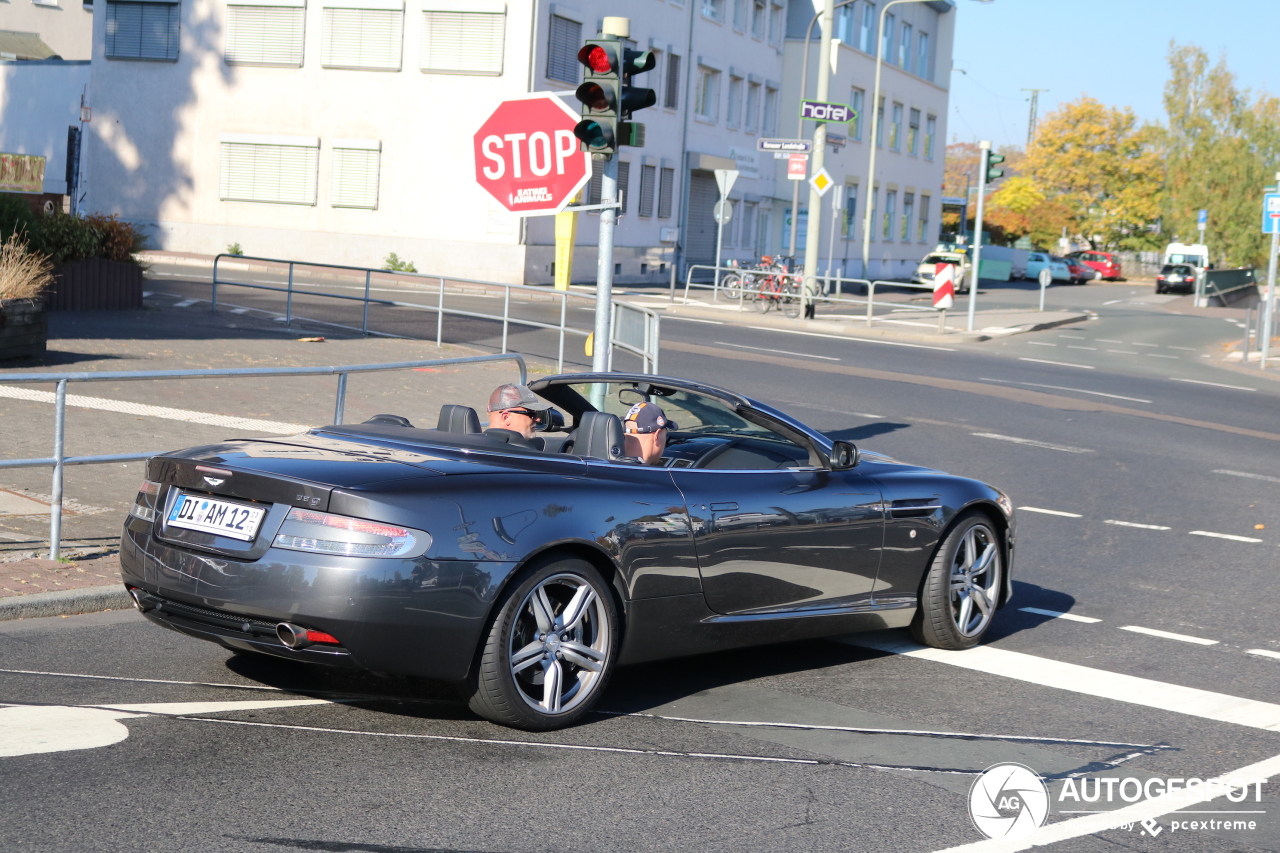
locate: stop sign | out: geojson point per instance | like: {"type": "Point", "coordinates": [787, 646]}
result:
{"type": "Point", "coordinates": [527, 156]}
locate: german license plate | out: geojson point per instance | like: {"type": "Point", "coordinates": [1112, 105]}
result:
{"type": "Point", "coordinates": [210, 515]}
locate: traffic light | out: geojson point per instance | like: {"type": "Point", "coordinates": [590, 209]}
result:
{"type": "Point", "coordinates": [634, 97]}
{"type": "Point", "coordinates": [607, 97]}
{"type": "Point", "coordinates": [993, 160]}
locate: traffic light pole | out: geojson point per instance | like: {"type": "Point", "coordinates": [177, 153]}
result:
{"type": "Point", "coordinates": [604, 274]}
{"type": "Point", "coordinates": [984, 147]}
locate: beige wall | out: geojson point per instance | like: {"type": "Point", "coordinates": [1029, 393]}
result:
{"type": "Point", "coordinates": [65, 25]}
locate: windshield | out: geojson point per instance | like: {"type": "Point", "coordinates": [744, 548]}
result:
{"type": "Point", "coordinates": [691, 412]}
{"type": "Point", "coordinates": [1193, 260]}
{"type": "Point", "coordinates": [941, 259]}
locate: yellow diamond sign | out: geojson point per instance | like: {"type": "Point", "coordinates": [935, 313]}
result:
{"type": "Point", "coordinates": [821, 182]}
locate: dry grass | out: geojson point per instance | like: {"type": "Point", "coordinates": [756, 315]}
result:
{"type": "Point", "coordinates": [24, 274]}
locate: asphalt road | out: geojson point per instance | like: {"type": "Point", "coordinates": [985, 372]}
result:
{"type": "Point", "coordinates": [1148, 515]}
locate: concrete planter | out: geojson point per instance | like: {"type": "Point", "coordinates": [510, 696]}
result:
{"type": "Point", "coordinates": [23, 330]}
{"type": "Point", "coordinates": [95, 284]}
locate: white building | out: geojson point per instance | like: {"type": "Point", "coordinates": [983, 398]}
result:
{"type": "Point", "coordinates": [341, 130]}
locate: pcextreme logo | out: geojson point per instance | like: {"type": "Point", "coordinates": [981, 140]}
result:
{"type": "Point", "coordinates": [1008, 801]}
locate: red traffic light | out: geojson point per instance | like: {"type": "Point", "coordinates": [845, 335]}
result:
{"type": "Point", "coordinates": [595, 96]}
{"type": "Point", "coordinates": [597, 58]}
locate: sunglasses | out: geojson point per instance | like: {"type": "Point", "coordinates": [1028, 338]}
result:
{"type": "Point", "coordinates": [536, 415]}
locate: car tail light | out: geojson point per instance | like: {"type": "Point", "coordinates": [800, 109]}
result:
{"type": "Point", "coordinates": [325, 533]}
{"type": "Point", "coordinates": [144, 505]}
{"type": "Point", "coordinates": [314, 636]}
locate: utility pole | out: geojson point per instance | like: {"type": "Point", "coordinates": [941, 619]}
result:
{"type": "Point", "coordinates": [986, 160]}
{"type": "Point", "coordinates": [1031, 123]}
{"type": "Point", "coordinates": [813, 228]}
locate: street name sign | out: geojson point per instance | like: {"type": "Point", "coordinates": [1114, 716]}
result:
{"type": "Point", "coordinates": [1270, 213]}
{"type": "Point", "coordinates": [824, 111]}
{"type": "Point", "coordinates": [527, 157]}
{"type": "Point", "coordinates": [784, 146]}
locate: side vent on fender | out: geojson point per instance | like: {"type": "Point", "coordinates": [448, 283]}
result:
{"type": "Point", "coordinates": [914, 507]}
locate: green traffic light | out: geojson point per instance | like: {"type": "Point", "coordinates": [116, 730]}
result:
{"type": "Point", "coordinates": [596, 136]}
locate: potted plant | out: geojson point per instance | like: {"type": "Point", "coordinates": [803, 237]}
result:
{"type": "Point", "coordinates": [95, 262]}
{"type": "Point", "coordinates": [24, 276]}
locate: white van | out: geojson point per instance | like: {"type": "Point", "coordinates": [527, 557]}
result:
{"type": "Point", "coordinates": [1191, 254]}
{"type": "Point", "coordinates": [925, 270]}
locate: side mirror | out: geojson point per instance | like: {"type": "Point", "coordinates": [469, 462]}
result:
{"type": "Point", "coordinates": [553, 422]}
{"type": "Point", "coordinates": [843, 456]}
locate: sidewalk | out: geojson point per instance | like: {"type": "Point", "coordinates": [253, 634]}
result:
{"type": "Point", "coordinates": [33, 587]}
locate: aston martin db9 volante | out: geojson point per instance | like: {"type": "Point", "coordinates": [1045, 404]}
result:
{"type": "Point", "coordinates": [526, 571]}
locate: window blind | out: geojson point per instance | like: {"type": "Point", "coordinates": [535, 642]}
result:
{"type": "Point", "coordinates": [563, 41]}
{"type": "Point", "coordinates": [142, 31]}
{"type": "Point", "coordinates": [265, 35]}
{"type": "Point", "coordinates": [367, 39]}
{"type": "Point", "coordinates": [666, 187]}
{"type": "Point", "coordinates": [280, 174]}
{"type": "Point", "coordinates": [462, 42]}
{"type": "Point", "coordinates": [624, 185]}
{"type": "Point", "coordinates": [353, 181]}
{"type": "Point", "coordinates": [648, 181]}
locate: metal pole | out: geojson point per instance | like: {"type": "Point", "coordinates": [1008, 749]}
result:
{"type": "Point", "coordinates": [214, 306]}
{"type": "Point", "coordinates": [564, 300]}
{"type": "Point", "coordinates": [869, 204]}
{"type": "Point", "coordinates": [1043, 288]}
{"type": "Point", "coordinates": [55, 502]}
{"type": "Point", "coordinates": [813, 225]}
{"type": "Point", "coordinates": [365, 325]}
{"type": "Point", "coordinates": [1248, 327]}
{"type": "Point", "coordinates": [795, 216]}
{"type": "Point", "coordinates": [288, 301]}
{"type": "Point", "coordinates": [715, 273]}
{"type": "Point", "coordinates": [657, 340]}
{"type": "Point", "coordinates": [1271, 294]}
{"type": "Point", "coordinates": [341, 403]}
{"type": "Point", "coordinates": [984, 146]}
{"type": "Point", "coordinates": [871, 299]}
{"type": "Point", "coordinates": [673, 282]}
{"type": "Point", "coordinates": [506, 316]}
{"type": "Point", "coordinates": [604, 279]}
{"type": "Point", "coordinates": [440, 315]}
{"type": "Point", "coordinates": [837, 201]}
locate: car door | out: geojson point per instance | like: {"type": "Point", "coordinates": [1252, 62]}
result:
{"type": "Point", "coordinates": [773, 533]}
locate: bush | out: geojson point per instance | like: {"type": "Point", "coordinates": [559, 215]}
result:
{"type": "Point", "coordinates": [24, 274]}
{"type": "Point", "coordinates": [234, 249]}
{"type": "Point", "coordinates": [120, 241]}
{"type": "Point", "coordinates": [396, 265]}
{"type": "Point", "coordinates": [67, 238]}
{"type": "Point", "coordinates": [15, 217]}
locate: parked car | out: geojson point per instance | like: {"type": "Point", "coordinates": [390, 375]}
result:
{"type": "Point", "coordinates": [1037, 261]}
{"type": "Point", "coordinates": [526, 572]}
{"type": "Point", "coordinates": [925, 270]}
{"type": "Point", "coordinates": [1176, 278]}
{"type": "Point", "coordinates": [1079, 272]}
{"type": "Point", "coordinates": [1104, 262]}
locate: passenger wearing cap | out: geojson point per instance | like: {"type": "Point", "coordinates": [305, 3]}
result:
{"type": "Point", "coordinates": [514, 411]}
{"type": "Point", "coordinates": [645, 430]}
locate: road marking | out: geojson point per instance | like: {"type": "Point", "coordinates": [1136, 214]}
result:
{"type": "Point", "coordinates": [138, 680]}
{"type": "Point", "coordinates": [1266, 653]}
{"type": "Point", "coordinates": [1122, 351]}
{"type": "Point", "coordinates": [695, 320]}
{"type": "Point", "coordinates": [1073, 346]}
{"type": "Point", "coordinates": [1077, 390]}
{"type": "Point", "coordinates": [1050, 511]}
{"type": "Point", "coordinates": [1214, 384]}
{"type": "Point", "coordinates": [106, 405]}
{"type": "Point", "coordinates": [1043, 445]}
{"type": "Point", "coordinates": [1136, 344]}
{"type": "Point", "coordinates": [1250, 475]}
{"type": "Point", "coordinates": [1107, 341]}
{"type": "Point", "coordinates": [778, 351]}
{"type": "Point", "coordinates": [241, 310]}
{"type": "Point", "coordinates": [1073, 337]}
{"type": "Point", "coordinates": [1168, 635]}
{"type": "Point", "coordinates": [186, 303]}
{"type": "Point", "coordinates": [1093, 824]}
{"type": "Point", "coordinates": [1059, 363]}
{"type": "Point", "coordinates": [1223, 536]}
{"type": "Point", "coordinates": [1136, 524]}
{"type": "Point", "coordinates": [1040, 344]}
{"type": "Point", "coordinates": [1161, 355]}
{"type": "Point", "coordinates": [1113, 302]}
{"type": "Point", "coordinates": [1188, 349]}
{"type": "Point", "coordinates": [848, 338]}
{"type": "Point", "coordinates": [1057, 614]}
{"type": "Point", "coordinates": [1089, 681]}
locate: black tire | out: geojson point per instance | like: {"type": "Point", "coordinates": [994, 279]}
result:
{"type": "Point", "coordinates": [944, 621]}
{"type": "Point", "coordinates": [764, 299]}
{"type": "Point", "coordinates": [507, 694]}
{"type": "Point", "coordinates": [732, 285]}
{"type": "Point", "coordinates": [789, 301]}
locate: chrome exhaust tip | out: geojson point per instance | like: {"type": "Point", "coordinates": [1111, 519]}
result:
{"type": "Point", "coordinates": [293, 636]}
{"type": "Point", "coordinates": [138, 602]}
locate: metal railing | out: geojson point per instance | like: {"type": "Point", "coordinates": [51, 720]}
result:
{"type": "Point", "coordinates": [59, 460]}
{"type": "Point", "coordinates": [646, 349]}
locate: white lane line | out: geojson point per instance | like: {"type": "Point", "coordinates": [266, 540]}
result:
{"type": "Point", "coordinates": [1161, 355]}
{"type": "Point", "coordinates": [1040, 344]}
{"type": "Point", "coordinates": [1136, 524]}
{"type": "Point", "coordinates": [139, 680]}
{"type": "Point", "coordinates": [1188, 349]}
{"type": "Point", "coordinates": [241, 310]}
{"type": "Point", "coordinates": [1223, 536]}
{"type": "Point", "coordinates": [1136, 344]}
{"type": "Point", "coordinates": [1077, 390]}
{"type": "Point", "coordinates": [1073, 346]}
{"type": "Point", "coordinates": [1168, 635]}
{"type": "Point", "coordinates": [1250, 475]}
{"type": "Point", "coordinates": [1214, 384]}
{"type": "Point", "coordinates": [1122, 351]}
{"type": "Point", "coordinates": [1107, 341]}
{"type": "Point", "coordinates": [1073, 337]}
{"type": "Point", "coordinates": [124, 407]}
{"type": "Point", "coordinates": [1266, 653]}
{"type": "Point", "coordinates": [848, 338]}
{"type": "Point", "coordinates": [1113, 302]}
{"type": "Point", "coordinates": [1057, 614]}
{"type": "Point", "coordinates": [695, 320]}
{"type": "Point", "coordinates": [1043, 445]}
{"type": "Point", "coordinates": [1093, 824]}
{"type": "Point", "coordinates": [1088, 681]}
{"type": "Point", "coordinates": [186, 303]}
{"type": "Point", "coordinates": [1050, 511]}
{"type": "Point", "coordinates": [778, 351]}
{"type": "Point", "coordinates": [1059, 363]}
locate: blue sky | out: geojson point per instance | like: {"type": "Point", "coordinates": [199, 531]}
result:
{"type": "Point", "coordinates": [1112, 50]}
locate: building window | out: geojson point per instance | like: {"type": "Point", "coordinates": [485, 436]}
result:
{"type": "Point", "coordinates": [735, 101]}
{"type": "Point", "coordinates": [845, 24]}
{"type": "Point", "coordinates": [759, 18]}
{"type": "Point", "coordinates": [871, 230]}
{"type": "Point", "coordinates": [849, 222]}
{"type": "Point", "coordinates": [770, 110]}
{"type": "Point", "coordinates": [672, 101]}
{"type": "Point", "coordinates": [353, 181]}
{"type": "Point", "coordinates": [272, 169]}
{"type": "Point", "coordinates": [648, 187]}
{"type": "Point", "coordinates": [265, 35]}
{"type": "Point", "coordinates": [730, 232]}
{"type": "Point", "coordinates": [930, 133]}
{"type": "Point", "coordinates": [880, 124]}
{"type": "Point", "coordinates": [666, 192]}
{"type": "Point", "coordinates": [748, 232]}
{"type": "Point", "coordinates": [895, 129]}
{"type": "Point", "coordinates": [563, 41]}
{"type": "Point", "coordinates": [922, 56]}
{"type": "Point", "coordinates": [776, 25]}
{"type": "Point", "coordinates": [711, 9]}
{"type": "Point", "coordinates": [143, 31]}
{"type": "Point", "coordinates": [856, 101]}
{"type": "Point", "coordinates": [886, 44]}
{"type": "Point", "coordinates": [904, 47]}
{"type": "Point", "coordinates": [908, 210]}
{"type": "Point", "coordinates": [365, 38]}
{"type": "Point", "coordinates": [922, 224]}
{"type": "Point", "coordinates": [762, 231]}
{"type": "Point", "coordinates": [740, 14]}
{"type": "Point", "coordinates": [462, 42]}
{"type": "Point", "coordinates": [706, 104]}
{"type": "Point", "coordinates": [913, 132]}
{"type": "Point", "coordinates": [867, 38]}
{"type": "Point", "coordinates": [752, 122]}
{"type": "Point", "coordinates": [890, 208]}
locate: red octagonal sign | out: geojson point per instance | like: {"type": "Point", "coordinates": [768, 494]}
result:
{"type": "Point", "coordinates": [527, 156]}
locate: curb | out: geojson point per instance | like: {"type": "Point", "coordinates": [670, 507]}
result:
{"type": "Point", "coordinates": [65, 602]}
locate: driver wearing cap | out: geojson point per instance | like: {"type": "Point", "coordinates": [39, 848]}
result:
{"type": "Point", "coordinates": [514, 413]}
{"type": "Point", "coordinates": [645, 430]}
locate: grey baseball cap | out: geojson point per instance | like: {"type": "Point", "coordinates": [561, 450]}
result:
{"type": "Point", "coordinates": [512, 396]}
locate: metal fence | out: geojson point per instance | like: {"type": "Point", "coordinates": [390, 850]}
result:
{"type": "Point", "coordinates": [59, 460]}
{"type": "Point", "coordinates": [645, 344]}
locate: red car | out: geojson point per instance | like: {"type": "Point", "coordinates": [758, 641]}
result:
{"type": "Point", "coordinates": [1104, 262]}
{"type": "Point", "coordinates": [1080, 273]}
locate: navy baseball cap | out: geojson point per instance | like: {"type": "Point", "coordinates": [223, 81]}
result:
{"type": "Point", "coordinates": [647, 418]}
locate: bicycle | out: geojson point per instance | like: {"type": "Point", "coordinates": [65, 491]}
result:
{"type": "Point", "coordinates": [778, 289]}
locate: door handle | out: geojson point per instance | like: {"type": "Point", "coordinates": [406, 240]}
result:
{"type": "Point", "coordinates": [728, 506]}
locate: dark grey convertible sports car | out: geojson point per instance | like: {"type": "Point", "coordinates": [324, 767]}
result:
{"type": "Point", "coordinates": [525, 572]}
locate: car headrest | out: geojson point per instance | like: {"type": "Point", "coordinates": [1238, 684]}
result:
{"type": "Point", "coordinates": [390, 420]}
{"type": "Point", "coordinates": [455, 418]}
{"type": "Point", "coordinates": [599, 436]}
